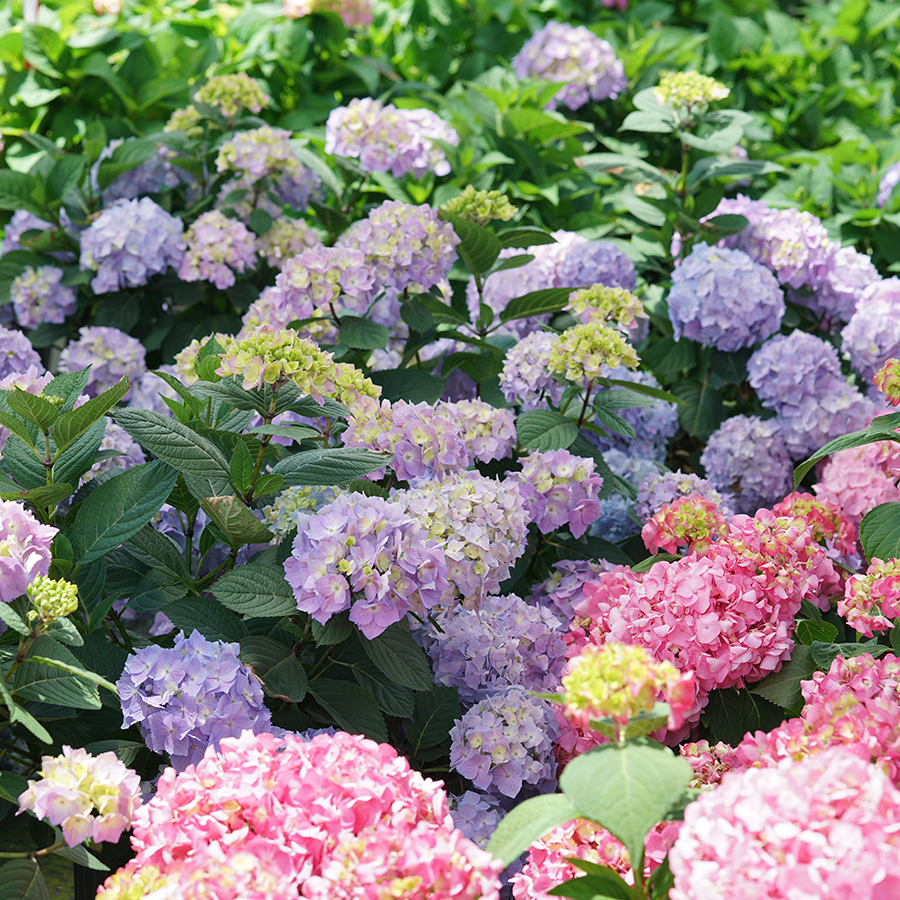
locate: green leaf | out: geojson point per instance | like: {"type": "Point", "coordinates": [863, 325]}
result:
{"type": "Point", "coordinates": [354, 709]}
{"type": "Point", "coordinates": [627, 788]}
{"type": "Point", "coordinates": [21, 879]}
{"type": "Point", "coordinates": [732, 712]}
{"type": "Point", "coordinates": [536, 303]}
{"type": "Point", "coordinates": [75, 670]}
{"type": "Point", "coordinates": [257, 590]}
{"type": "Point", "coordinates": [545, 429]}
{"type": "Point", "coordinates": [326, 467]}
{"type": "Point", "coordinates": [282, 674]}
{"type": "Point", "coordinates": [207, 616]}
{"type": "Point", "coordinates": [616, 398]}
{"type": "Point", "coordinates": [336, 630]}
{"type": "Point", "coordinates": [435, 713]}
{"type": "Point", "coordinates": [529, 821]}
{"type": "Point", "coordinates": [783, 687]}
{"type": "Point", "coordinates": [18, 714]}
{"type": "Point", "coordinates": [9, 616]}
{"type": "Point", "coordinates": [591, 548]}
{"type": "Point", "coordinates": [81, 857]}
{"type": "Point", "coordinates": [121, 507]}
{"type": "Point", "coordinates": [630, 168]}
{"type": "Point", "coordinates": [703, 411]}
{"type": "Point", "coordinates": [32, 407]}
{"type": "Point", "coordinates": [71, 425]}
{"type": "Point", "coordinates": [613, 422]}
{"type": "Point", "coordinates": [807, 632]}
{"type": "Point", "coordinates": [158, 550]}
{"type": "Point", "coordinates": [525, 236]}
{"type": "Point", "coordinates": [396, 653]}
{"type": "Point", "coordinates": [125, 157]}
{"type": "Point", "coordinates": [669, 357]}
{"type": "Point", "coordinates": [47, 684]}
{"type": "Point", "coordinates": [11, 786]}
{"type": "Point", "coordinates": [47, 495]}
{"type": "Point", "coordinates": [241, 468]}
{"type": "Point", "coordinates": [22, 463]}
{"type": "Point", "coordinates": [607, 885]}
{"type": "Point", "coordinates": [660, 121]}
{"type": "Point", "coordinates": [478, 247]}
{"type": "Point", "coordinates": [80, 455]}
{"type": "Point", "coordinates": [879, 532]}
{"type": "Point", "coordinates": [825, 654]}
{"type": "Point", "coordinates": [200, 462]}
{"type": "Point", "coordinates": [16, 191]}
{"type": "Point", "coordinates": [15, 425]}
{"type": "Point", "coordinates": [417, 316]}
{"type": "Point", "coordinates": [235, 521]}
{"type": "Point", "coordinates": [64, 176]}
{"type": "Point", "coordinates": [362, 333]}
{"type": "Point", "coordinates": [845, 442]}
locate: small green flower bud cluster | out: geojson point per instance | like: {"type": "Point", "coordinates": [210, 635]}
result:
{"type": "Point", "coordinates": [689, 90]}
{"type": "Point", "coordinates": [186, 120]}
{"type": "Point", "coordinates": [480, 207]}
{"type": "Point", "coordinates": [51, 599]}
{"type": "Point", "coordinates": [583, 352]}
{"type": "Point", "coordinates": [600, 303]}
{"type": "Point", "coordinates": [232, 93]}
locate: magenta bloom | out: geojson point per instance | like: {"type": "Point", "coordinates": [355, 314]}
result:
{"type": "Point", "coordinates": [24, 549]}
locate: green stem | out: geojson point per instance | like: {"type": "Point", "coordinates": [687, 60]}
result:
{"type": "Point", "coordinates": [31, 854]}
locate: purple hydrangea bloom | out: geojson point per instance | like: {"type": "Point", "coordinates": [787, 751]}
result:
{"type": "Point", "coordinates": [525, 379]}
{"type": "Point", "coordinates": [837, 284]}
{"type": "Point", "coordinates": [505, 643]}
{"type": "Point", "coordinates": [489, 433]}
{"type": "Point", "coordinates": [565, 586]}
{"type": "Point", "coordinates": [659, 490]}
{"type": "Point", "coordinates": [614, 523]}
{"type": "Point", "coordinates": [217, 247]}
{"type": "Point", "coordinates": [813, 421]}
{"type": "Point", "coordinates": [563, 52]}
{"type": "Point", "coordinates": [741, 205]}
{"type": "Point", "coordinates": [109, 352]}
{"type": "Point", "coordinates": [285, 239]}
{"type": "Point", "coordinates": [506, 742]}
{"type": "Point", "coordinates": [722, 298]}
{"type": "Point", "coordinates": [153, 176]}
{"type": "Point", "coordinates": [37, 296]}
{"type": "Point", "coordinates": [190, 697]}
{"type": "Point", "coordinates": [887, 184]}
{"type": "Point", "coordinates": [598, 262]}
{"type": "Point", "coordinates": [16, 353]}
{"type": "Point", "coordinates": [872, 336]}
{"type": "Point", "coordinates": [366, 555]}
{"type": "Point", "coordinates": [387, 139]}
{"type": "Point", "coordinates": [475, 815]}
{"type": "Point", "coordinates": [129, 242]}
{"type": "Point", "coordinates": [747, 457]}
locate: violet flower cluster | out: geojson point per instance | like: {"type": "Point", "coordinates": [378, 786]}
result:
{"type": "Point", "coordinates": [564, 586]}
{"type": "Point", "coordinates": [476, 815]}
{"type": "Point", "coordinates": [217, 248]}
{"type": "Point", "coordinates": [560, 490]}
{"type": "Point", "coordinates": [659, 490]}
{"type": "Point", "coordinates": [367, 555]}
{"type": "Point", "coordinates": [285, 239]}
{"type": "Point", "coordinates": [25, 549]}
{"type": "Point", "coordinates": [38, 296]}
{"type": "Point", "coordinates": [506, 642]}
{"type": "Point", "coordinates": [387, 139]}
{"type": "Point", "coordinates": [109, 352]}
{"type": "Point", "coordinates": [722, 298]}
{"type": "Point", "coordinates": [152, 176]}
{"type": "Point", "coordinates": [872, 335]}
{"type": "Point", "coordinates": [187, 698]}
{"type": "Point", "coordinates": [16, 353]}
{"type": "Point", "coordinates": [506, 742]}
{"type": "Point", "coordinates": [598, 262]}
{"type": "Point", "coordinates": [889, 181]}
{"type": "Point", "coordinates": [489, 433]}
{"type": "Point", "coordinates": [128, 243]}
{"type": "Point", "coordinates": [525, 379]}
{"type": "Point", "coordinates": [563, 52]}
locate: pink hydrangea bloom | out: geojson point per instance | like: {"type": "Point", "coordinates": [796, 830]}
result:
{"type": "Point", "coordinates": [830, 527]}
{"type": "Point", "coordinates": [25, 549]}
{"type": "Point", "coordinates": [691, 521]}
{"type": "Point", "coordinates": [872, 601]}
{"type": "Point", "coordinates": [709, 761]}
{"type": "Point", "coordinates": [887, 380]}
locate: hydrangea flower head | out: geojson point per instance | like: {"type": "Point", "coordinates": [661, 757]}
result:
{"type": "Point", "coordinates": [388, 139]}
{"type": "Point", "coordinates": [837, 283]}
{"type": "Point", "coordinates": [489, 432]}
{"type": "Point", "coordinates": [16, 353]}
{"type": "Point", "coordinates": [129, 242]}
{"type": "Point", "coordinates": [689, 91]}
{"type": "Point", "coordinates": [872, 601]}
{"type": "Point", "coordinates": [25, 549]}
{"type": "Point", "coordinates": [563, 52]}
{"type": "Point", "coordinates": [722, 298]}
{"type": "Point", "coordinates": [217, 247]}
{"type": "Point", "coordinates": [51, 599]}
{"type": "Point", "coordinates": [109, 352]}
{"type": "Point", "coordinates": [525, 379]}
{"type": "Point", "coordinates": [189, 697]}
{"type": "Point", "coordinates": [76, 785]}
{"type": "Point", "coordinates": [267, 355]}
{"type": "Point", "coordinates": [887, 380]}
{"type": "Point", "coordinates": [257, 153]}
{"type": "Point", "coordinates": [659, 490]}
{"type": "Point", "coordinates": [38, 296]}
{"type": "Point", "coordinates": [480, 207]}
{"type": "Point", "coordinates": [691, 521]}
{"type": "Point", "coordinates": [610, 305]}
{"type": "Point", "coordinates": [475, 815]}
{"type": "Point", "coordinates": [584, 353]}
{"type": "Point", "coordinates": [285, 239]}
{"type": "Point", "coordinates": [367, 555]}
{"type": "Point", "coordinates": [829, 526]}
{"type": "Point", "coordinates": [709, 761]}
{"type": "Point", "coordinates": [597, 262]}
{"type": "Point", "coordinates": [564, 586]}
{"type": "Point", "coordinates": [232, 93]}
{"type": "Point", "coordinates": [154, 175]}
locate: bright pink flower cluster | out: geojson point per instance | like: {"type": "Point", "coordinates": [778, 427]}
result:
{"type": "Point", "coordinates": [872, 601]}
{"type": "Point", "coordinates": [74, 786]}
{"type": "Point", "coordinates": [709, 761]}
{"type": "Point", "coordinates": [825, 827]}
{"type": "Point", "coordinates": [560, 490]}
{"type": "Point", "coordinates": [887, 380]}
{"type": "Point", "coordinates": [338, 816]}
{"type": "Point", "coordinates": [548, 863]}
{"type": "Point", "coordinates": [25, 549]}
{"type": "Point", "coordinates": [425, 441]}
{"type": "Point", "coordinates": [691, 521]}
{"type": "Point", "coordinates": [830, 527]}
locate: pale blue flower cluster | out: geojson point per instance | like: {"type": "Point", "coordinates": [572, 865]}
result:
{"type": "Point", "coordinates": [16, 353]}
{"type": "Point", "coordinates": [109, 352]}
{"type": "Point", "coordinates": [39, 296]}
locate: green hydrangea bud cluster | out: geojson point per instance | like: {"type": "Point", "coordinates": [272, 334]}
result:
{"type": "Point", "coordinates": [351, 384]}
{"type": "Point", "coordinates": [480, 207]}
{"type": "Point", "coordinates": [269, 355]}
{"type": "Point", "coordinates": [600, 303]}
{"type": "Point", "coordinates": [687, 91]}
{"type": "Point", "coordinates": [51, 599]}
{"type": "Point", "coordinates": [281, 515]}
{"type": "Point", "coordinates": [581, 353]}
{"type": "Point", "coordinates": [186, 120]}
{"type": "Point", "coordinates": [232, 93]}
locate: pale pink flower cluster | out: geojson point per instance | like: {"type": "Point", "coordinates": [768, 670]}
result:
{"type": "Point", "coordinates": [547, 864]}
{"type": "Point", "coordinates": [825, 827]}
{"type": "Point", "coordinates": [489, 432]}
{"type": "Point", "coordinates": [425, 440]}
{"type": "Point", "coordinates": [872, 601]}
{"type": "Point", "coordinates": [74, 786]}
{"type": "Point", "coordinates": [560, 489]}
{"type": "Point", "coordinates": [691, 521]}
{"type": "Point", "coordinates": [338, 817]}
{"type": "Point", "coordinates": [353, 13]}
{"type": "Point", "coordinates": [25, 549]}
{"type": "Point", "coordinates": [709, 762]}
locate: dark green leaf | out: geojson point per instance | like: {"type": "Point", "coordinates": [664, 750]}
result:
{"type": "Point", "coordinates": [524, 237]}
{"type": "Point", "coordinates": [536, 303]}
{"type": "Point", "coordinates": [417, 316]}
{"type": "Point", "coordinates": [314, 468]}
{"type": "Point", "coordinates": [477, 246]}
{"type": "Point", "coordinates": [396, 653]}
{"type": "Point", "coordinates": [434, 716]}
{"type": "Point", "coordinates": [732, 712]}
{"type": "Point", "coordinates": [879, 532]}
{"type": "Point", "coordinates": [362, 333]}
{"type": "Point", "coordinates": [783, 687]}
{"type": "Point", "coordinates": [16, 191]}
{"type": "Point", "coordinates": [35, 681]}
{"type": "Point", "coordinates": [599, 886]}
{"type": "Point", "coordinates": [241, 468]}
{"type": "Point", "coordinates": [354, 709]}
{"type": "Point", "coordinates": [64, 176]}
{"type": "Point", "coordinates": [159, 551]}
{"type": "Point", "coordinates": [21, 879]}
{"type": "Point", "coordinates": [825, 654]}
{"type": "Point", "coordinates": [808, 632]}
{"type": "Point", "coordinates": [207, 617]}
{"type": "Point", "coordinates": [670, 357]}
{"type": "Point", "coordinates": [74, 423]}
{"type": "Point", "coordinates": [545, 429]}
{"type": "Point", "coordinates": [337, 629]}
{"type": "Point", "coordinates": [235, 520]}
{"type": "Point", "coordinates": [257, 590]}
{"type": "Point", "coordinates": [702, 412]}
{"type": "Point", "coordinates": [281, 672]}
{"type": "Point", "coordinates": [32, 407]}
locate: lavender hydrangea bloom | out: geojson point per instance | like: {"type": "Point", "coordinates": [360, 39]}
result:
{"type": "Point", "coordinates": [563, 52]}
{"type": "Point", "coordinates": [722, 298]}
{"type": "Point", "coordinates": [812, 421]}
{"type": "Point", "coordinates": [25, 549]}
{"type": "Point", "coordinates": [658, 490]}
{"type": "Point", "coordinates": [614, 522]}
{"type": "Point", "coordinates": [16, 353]}
{"type": "Point", "coordinates": [837, 284]}
{"type": "Point", "coordinates": [217, 247]}
{"type": "Point", "coordinates": [525, 379]}
{"type": "Point", "coordinates": [888, 182]}
{"type": "Point", "coordinates": [285, 239]}
{"type": "Point", "coordinates": [129, 242]}
{"type": "Point", "coordinates": [190, 697]}
{"type": "Point", "coordinates": [387, 139]}
{"type": "Point", "coordinates": [747, 456]}
{"type": "Point", "coordinates": [506, 742]}
{"type": "Point", "coordinates": [489, 433]}
{"type": "Point", "coordinates": [564, 587]}
{"type": "Point", "coordinates": [475, 815]}
{"type": "Point", "coordinates": [37, 296]}
{"type": "Point", "coordinates": [598, 262]}
{"type": "Point", "coordinates": [153, 176]}
{"type": "Point", "coordinates": [505, 643]}
{"type": "Point", "coordinates": [109, 352]}
{"type": "Point", "coordinates": [872, 336]}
